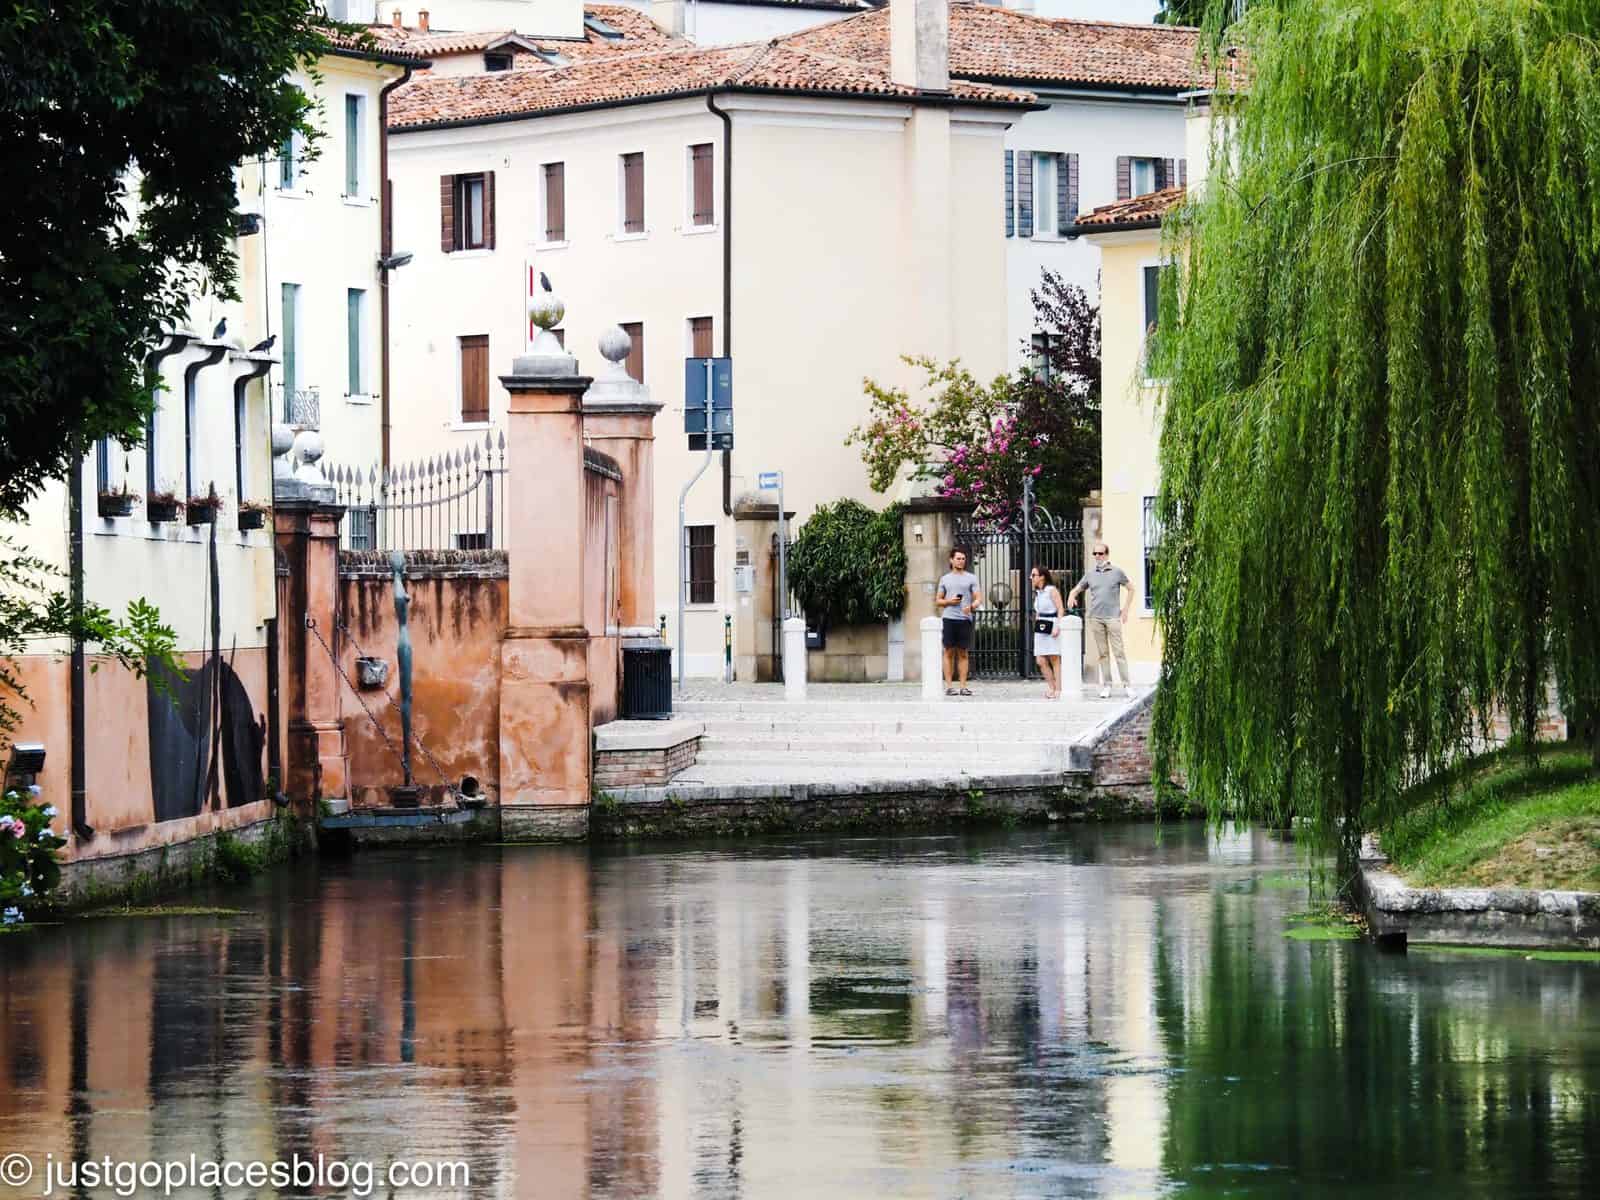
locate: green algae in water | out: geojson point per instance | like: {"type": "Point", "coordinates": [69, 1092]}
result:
{"type": "Point", "coordinates": [166, 910]}
{"type": "Point", "coordinates": [1588, 956]}
{"type": "Point", "coordinates": [1322, 933]}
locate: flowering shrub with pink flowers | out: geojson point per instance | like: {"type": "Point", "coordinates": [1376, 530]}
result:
{"type": "Point", "coordinates": [28, 845]}
{"type": "Point", "coordinates": [979, 442]}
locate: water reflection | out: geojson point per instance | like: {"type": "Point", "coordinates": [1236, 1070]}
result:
{"type": "Point", "coordinates": [1097, 1013]}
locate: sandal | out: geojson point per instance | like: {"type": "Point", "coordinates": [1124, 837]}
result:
{"type": "Point", "coordinates": [966, 691]}
{"type": "Point", "coordinates": [949, 691]}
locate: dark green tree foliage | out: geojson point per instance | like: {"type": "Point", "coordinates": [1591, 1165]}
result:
{"type": "Point", "coordinates": [121, 125]}
{"type": "Point", "coordinates": [848, 564]}
{"type": "Point", "coordinates": [1381, 446]}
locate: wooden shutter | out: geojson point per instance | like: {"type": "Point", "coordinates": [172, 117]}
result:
{"type": "Point", "coordinates": [1065, 213]}
{"type": "Point", "coordinates": [1011, 193]}
{"type": "Point", "coordinates": [1024, 193]}
{"type": "Point", "coordinates": [447, 213]}
{"type": "Point", "coordinates": [1072, 188]}
{"type": "Point", "coordinates": [555, 202]}
{"type": "Point", "coordinates": [475, 378]}
{"type": "Point", "coordinates": [1183, 172]}
{"type": "Point", "coordinates": [700, 338]}
{"type": "Point", "coordinates": [1124, 177]}
{"type": "Point", "coordinates": [704, 209]}
{"type": "Point", "coordinates": [635, 360]}
{"type": "Point", "coordinates": [633, 193]}
{"type": "Point", "coordinates": [488, 210]}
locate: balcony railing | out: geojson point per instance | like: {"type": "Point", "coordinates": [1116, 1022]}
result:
{"type": "Point", "coordinates": [301, 407]}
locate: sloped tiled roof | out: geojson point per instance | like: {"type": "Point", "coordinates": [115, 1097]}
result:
{"type": "Point", "coordinates": [1141, 212]}
{"type": "Point", "coordinates": [779, 65]}
{"type": "Point", "coordinates": [1000, 44]}
{"type": "Point", "coordinates": [638, 32]}
{"type": "Point", "coordinates": [354, 45]}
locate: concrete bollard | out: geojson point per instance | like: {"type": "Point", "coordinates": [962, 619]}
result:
{"type": "Point", "coordinates": [1072, 658]}
{"type": "Point", "coordinates": [932, 658]}
{"type": "Point", "coordinates": [794, 659]}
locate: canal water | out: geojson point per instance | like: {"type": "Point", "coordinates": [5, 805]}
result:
{"type": "Point", "coordinates": [1104, 1011]}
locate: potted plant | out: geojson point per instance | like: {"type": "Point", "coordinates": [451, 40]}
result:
{"type": "Point", "coordinates": [117, 502]}
{"type": "Point", "coordinates": [252, 515]}
{"type": "Point", "coordinates": [161, 506]}
{"type": "Point", "coordinates": [202, 510]}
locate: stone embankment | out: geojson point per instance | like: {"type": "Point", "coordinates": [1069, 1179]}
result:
{"type": "Point", "coordinates": [879, 758]}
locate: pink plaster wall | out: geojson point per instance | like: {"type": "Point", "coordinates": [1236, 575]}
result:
{"type": "Point", "coordinates": [602, 592]}
{"type": "Point", "coordinates": [457, 623]}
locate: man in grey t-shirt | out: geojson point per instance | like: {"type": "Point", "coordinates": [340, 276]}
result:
{"type": "Point", "coordinates": [958, 598]}
{"type": "Point", "coordinates": [1108, 610]}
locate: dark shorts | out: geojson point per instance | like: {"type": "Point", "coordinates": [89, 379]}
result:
{"type": "Point", "coordinates": [957, 635]}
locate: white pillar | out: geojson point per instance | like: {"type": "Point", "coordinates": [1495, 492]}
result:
{"type": "Point", "coordinates": [1072, 658]}
{"type": "Point", "coordinates": [794, 659]}
{"type": "Point", "coordinates": [932, 658]}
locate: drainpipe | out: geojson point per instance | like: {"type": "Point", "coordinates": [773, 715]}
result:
{"type": "Point", "coordinates": [727, 274]}
{"type": "Point", "coordinates": [386, 248]}
{"type": "Point", "coordinates": [81, 828]}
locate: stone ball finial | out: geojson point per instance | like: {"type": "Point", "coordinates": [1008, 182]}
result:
{"type": "Point", "coordinates": [308, 446]}
{"type": "Point", "coordinates": [545, 309]}
{"type": "Point", "coordinates": [615, 344]}
{"type": "Point", "coordinates": [282, 439]}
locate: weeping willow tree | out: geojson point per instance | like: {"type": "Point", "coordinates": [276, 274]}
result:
{"type": "Point", "coordinates": [1381, 439]}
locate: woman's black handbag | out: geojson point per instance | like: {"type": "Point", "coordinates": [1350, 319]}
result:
{"type": "Point", "coordinates": [1044, 625]}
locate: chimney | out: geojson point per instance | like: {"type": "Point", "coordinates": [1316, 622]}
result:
{"type": "Point", "coordinates": [422, 19]}
{"type": "Point", "coordinates": [919, 44]}
{"type": "Point", "coordinates": [395, 20]}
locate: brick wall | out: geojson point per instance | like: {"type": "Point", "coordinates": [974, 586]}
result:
{"type": "Point", "coordinates": [643, 768]}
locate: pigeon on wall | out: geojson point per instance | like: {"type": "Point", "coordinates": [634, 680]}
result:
{"type": "Point", "coordinates": [264, 345]}
{"type": "Point", "coordinates": [222, 328]}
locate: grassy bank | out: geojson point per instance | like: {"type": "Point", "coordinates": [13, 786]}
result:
{"type": "Point", "coordinates": [1502, 821]}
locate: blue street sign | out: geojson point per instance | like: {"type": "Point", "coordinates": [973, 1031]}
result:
{"type": "Point", "coordinates": [769, 481]}
{"type": "Point", "coordinates": [715, 417]}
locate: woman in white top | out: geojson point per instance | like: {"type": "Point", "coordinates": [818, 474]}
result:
{"type": "Point", "coordinates": [1047, 610]}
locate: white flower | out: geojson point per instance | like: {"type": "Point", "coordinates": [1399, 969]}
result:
{"type": "Point", "coordinates": [35, 790]}
{"type": "Point", "coordinates": [49, 812]}
{"type": "Point", "coordinates": [44, 833]}
{"type": "Point", "coordinates": [6, 820]}
{"type": "Point", "coordinates": [27, 889]}
{"type": "Point", "coordinates": [11, 916]}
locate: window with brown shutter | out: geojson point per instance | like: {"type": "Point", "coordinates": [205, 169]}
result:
{"type": "Point", "coordinates": [555, 202]}
{"type": "Point", "coordinates": [488, 210]}
{"type": "Point", "coordinates": [702, 208]}
{"type": "Point", "coordinates": [700, 338]}
{"type": "Point", "coordinates": [700, 545]}
{"type": "Point", "coordinates": [474, 378]}
{"type": "Point", "coordinates": [635, 360]}
{"type": "Point", "coordinates": [471, 208]}
{"type": "Point", "coordinates": [447, 213]}
{"type": "Point", "coordinates": [633, 193]}
{"type": "Point", "coordinates": [1124, 178]}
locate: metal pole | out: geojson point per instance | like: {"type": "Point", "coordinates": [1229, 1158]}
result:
{"type": "Point", "coordinates": [683, 541]}
{"type": "Point", "coordinates": [783, 552]}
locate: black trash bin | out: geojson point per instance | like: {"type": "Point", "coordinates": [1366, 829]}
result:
{"type": "Point", "coordinates": [646, 683]}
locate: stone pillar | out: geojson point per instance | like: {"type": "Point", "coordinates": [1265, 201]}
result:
{"type": "Point", "coordinates": [619, 421]}
{"type": "Point", "coordinates": [794, 659]}
{"type": "Point", "coordinates": [756, 651]}
{"type": "Point", "coordinates": [932, 664]}
{"type": "Point", "coordinates": [929, 526]}
{"type": "Point", "coordinates": [1071, 658]}
{"type": "Point", "coordinates": [544, 657]}
{"type": "Point", "coordinates": [306, 525]}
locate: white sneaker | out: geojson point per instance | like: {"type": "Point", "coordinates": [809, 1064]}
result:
{"type": "Point", "coordinates": [1105, 693]}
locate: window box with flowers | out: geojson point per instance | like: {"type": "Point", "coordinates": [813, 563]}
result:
{"type": "Point", "coordinates": [116, 503]}
{"type": "Point", "coordinates": [161, 507]}
{"type": "Point", "coordinates": [202, 510]}
{"type": "Point", "coordinates": [252, 515]}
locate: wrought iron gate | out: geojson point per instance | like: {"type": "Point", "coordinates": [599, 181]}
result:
{"type": "Point", "coordinates": [1001, 558]}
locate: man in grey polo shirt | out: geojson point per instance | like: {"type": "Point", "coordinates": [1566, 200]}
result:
{"type": "Point", "coordinates": [1107, 613]}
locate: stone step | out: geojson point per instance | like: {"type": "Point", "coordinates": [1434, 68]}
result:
{"type": "Point", "coordinates": [942, 747]}
{"type": "Point", "coordinates": [889, 730]}
{"type": "Point", "coordinates": [823, 766]}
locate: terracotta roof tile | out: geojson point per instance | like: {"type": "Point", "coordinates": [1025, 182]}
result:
{"type": "Point", "coordinates": [1141, 212]}
{"type": "Point", "coordinates": [992, 43]}
{"type": "Point", "coordinates": [374, 48]}
{"type": "Point", "coordinates": [638, 32]}
{"type": "Point", "coordinates": [780, 65]}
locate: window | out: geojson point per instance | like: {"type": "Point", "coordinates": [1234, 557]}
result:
{"type": "Point", "coordinates": [102, 465]}
{"type": "Point", "coordinates": [1040, 345]}
{"type": "Point", "coordinates": [289, 163]}
{"type": "Point", "coordinates": [290, 337]}
{"type": "Point", "coordinates": [352, 145]}
{"type": "Point", "coordinates": [1153, 276]}
{"type": "Point", "coordinates": [555, 202]}
{"type": "Point", "coordinates": [635, 360]}
{"type": "Point", "coordinates": [239, 416]}
{"type": "Point", "coordinates": [1152, 547]}
{"type": "Point", "coordinates": [700, 548]}
{"type": "Point", "coordinates": [1143, 176]}
{"type": "Point", "coordinates": [1044, 196]}
{"type": "Point", "coordinates": [475, 379]}
{"type": "Point", "coordinates": [702, 208]}
{"type": "Point", "coordinates": [466, 212]}
{"type": "Point", "coordinates": [700, 338]}
{"type": "Point", "coordinates": [191, 388]}
{"type": "Point", "coordinates": [363, 526]}
{"type": "Point", "coordinates": [633, 193]}
{"type": "Point", "coordinates": [355, 342]}
{"type": "Point", "coordinates": [497, 62]}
